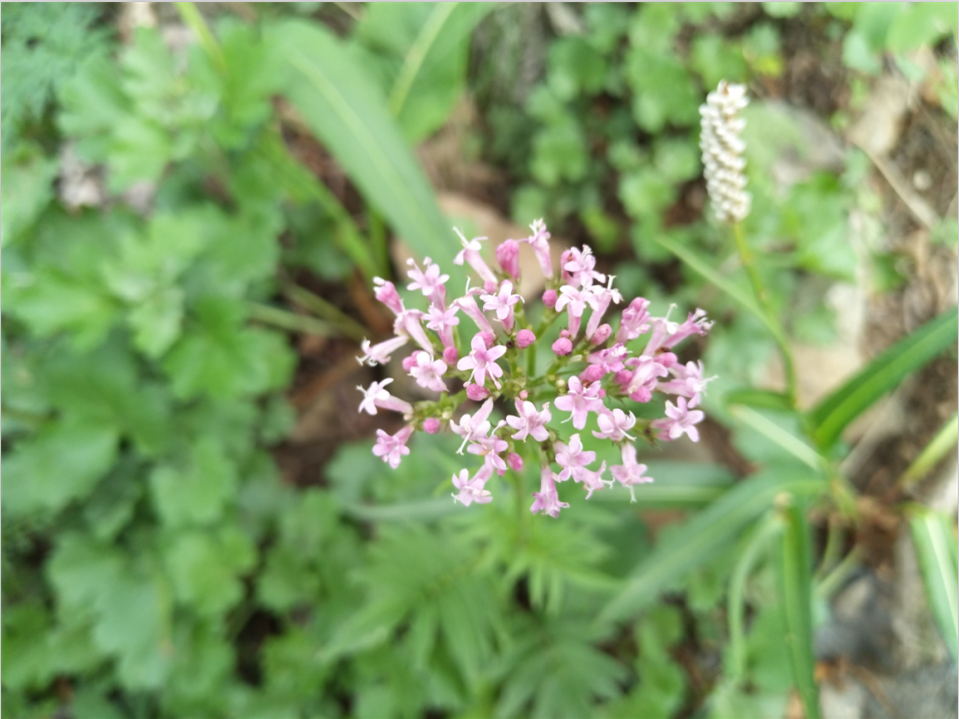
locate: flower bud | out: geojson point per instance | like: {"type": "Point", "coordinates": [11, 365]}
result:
{"type": "Point", "coordinates": [514, 461]}
{"type": "Point", "coordinates": [450, 355]}
{"type": "Point", "coordinates": [431, 425]}
{"type": "Point", "coordinates": [592, 373]}
{"type": "Point", "coordinates": [409, 362]}
{"type": "Point", "coordinates": [550, 297]}
{"type": "Point", "coordinates": [476, 392]}
{"type": "Point", "coordinates": [524, 338]}
{"type": "Point", "coordinates": [601, 334]}
{"type": "Point", "coordinates": [562, 346]}
{"type": "Point", "coordinates": [507, 255]}
{"type": "Point", "coordinates": [489, 338]}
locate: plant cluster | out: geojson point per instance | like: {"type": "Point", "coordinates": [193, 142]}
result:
{"type": "Point", "coordinates": [593, 369]}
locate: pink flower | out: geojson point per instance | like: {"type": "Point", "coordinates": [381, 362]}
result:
{"type": "Point", "coordinates": [575, 300]}
{"type": "Point", "coordinates": [579, 267]}
{"type": "Point", "coordinates": [482, 361]}
{"type": "Point", "coordinates": [407, 323]}
{"type": "Point", "coordinates": [392, 447]}
{"type": "Point", "coordinates": [468, 304]}
{"type": "Point", "coordinates": [490, 448]}
{"type": "Point", "coordinates": [507, 255]}
{"type": "Point", "coordinates": [502, 303]}
{"type": "Point", "coordinates": [428, 372]}
{"type": "Point", "coordinates": [514, 461]}
{"type": "Point", "coordinates": [472, 490]}
{"type": "Point", "coordinates": [646, 372]}
{"type": "Point", "coordinates": [549, 298]}
{"type": "Point", "coordinates": [634, 320]}
{"type": "Point", "coordinates": [524, 338]}
{"type": "Point", "coordinates": [539, 241]}
{"type": "Point", "coordinates": [431, 425]}
{"type": "Point", "coordinates": [615, 425]}
{"type": "Point", "coordinates": [546, 500]}
{"type": "Point", "coordinates": [429, 281]}
{"type": "Point", "coordinates": [602, 298]}
{"type": "Point", "coordinates": [528, 422]}
{"type": "Point", "coordinates": [476, 392]}
{"type": "Point", "coordinates": [572, 458]}
{"type": "Point", "coordinates": [681, 420]}
{"type": "Point", "coordinates": [471, 255]}
{"type": "Point", "coordinates": [470, 426]}
{"type": "Point", "coordinates": [386, 293]}
{"type": "Point", "coordinates": [695, 324]}
{"type": "Point", "coordinates": [381, 352]}
{"type": "Point", "coordinates": [376, 395]}
{"type": "Point", "coordinates": [629, 473]}
{"type": "Point", "coordinates": [442, 320]}
{"type": "Point", "coordinates": [688, 381]}
{"type": "Point", "coordinates": [592, 480]}
{"type": "Point", "coordinates": [580, 401]}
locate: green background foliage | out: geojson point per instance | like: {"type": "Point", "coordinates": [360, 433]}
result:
{"type": "Point", "coordinates": [155, 561]}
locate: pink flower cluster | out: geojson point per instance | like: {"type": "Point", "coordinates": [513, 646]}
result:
{"type": "Point", "coordinates": [474, 350]}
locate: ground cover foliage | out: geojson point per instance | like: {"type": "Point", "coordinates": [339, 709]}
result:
{"type": "Point", "coordinates": [185, 199]}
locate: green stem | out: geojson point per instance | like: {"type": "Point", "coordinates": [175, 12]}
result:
{"type": "Point", "coordinates": [929, 457]}
{"type": "Point", "coordinates": [831, 582]}
{"type": "Point", "coordinates": [196, 22]}
{"type": "Point", "coordinates": [830, 552]}
{"type": "Point", "coordinates": [327, 310]}
{"type": "Point", "coordinates": [762, 299]}
{"type": "Point", "coordinates": [286, 320]}
{"type": "Point", "coordinates": [736, 606]}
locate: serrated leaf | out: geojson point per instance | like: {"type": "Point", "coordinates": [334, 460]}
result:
{"type": "Point", "coordinates": [60, 464]}
{"type": "Point", "coordinates": [197, 491]}
{"type": "Point", "coordinates": [203, 568]}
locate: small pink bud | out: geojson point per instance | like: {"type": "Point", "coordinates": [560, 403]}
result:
{"type": "Point", "coordinates": [489, 338]}
{"type": "Point", "coordinates": [514, 461]}
{"type": "Point", "coordinates": [549, 298]}
{"type": "Point", "coordinates": [409, 362]}
{"type": "Point", "coordinates": [523, 394]}
{"type": "Point", "coordinates": [431, 425]}
{"type": "Point", "coordinates": [386, 293]}
{"type": "Point", "coordinates": [601, 334]}
{"type": "Point", "coordinates": [562, 346]}
{"type": "Point", "coordinates": [624, 377]}
{"type": "Point", "coordinates": [667, 359]}
{"type": "Point", "coordinates": [507, 255]}
{"type": "Point", "coordinates": [592, 373]}
{"type": "Point", "coordinates": [524, 338]}
{"type": "Point", "coordinates": [450, 355]}
{"type": "Point", "coordinates": [476, 392]}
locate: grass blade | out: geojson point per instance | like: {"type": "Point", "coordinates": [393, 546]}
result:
{"type": "Point", "coordinates": [795, 581]}
{"type": "Point", "coordinates": [707, 533]}
{"type": "Point", "coordinates": [943, 442]}
{"type": "Point", "coordinates": [678, 485]}
{"type": "Point", "coordinates": [343, 106]}
{"type": "Point", "coordinates": [787, 441]}
{"type": "Point", "coordinates": [934, 541]}
{"type": "Point", "coordinates": [736, 602]}
{"type": "Point", "coordinates": [831, 416]}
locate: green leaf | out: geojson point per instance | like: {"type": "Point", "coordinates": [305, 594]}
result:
{"type": "Point", "coordinates": [423, 47]}
{"type": "Point", "coordinates": [203, 568]}
{"type": "Point", "coordinates": [60, 464]}
{"type": "Point", "coordinates": [198, 492]}
{"type": "Point", "coordinates": [795, 577]}
{"type": "Point", "coordinates": [706, 534]}
{"type": "Point", "coordinates": [221, 358]}
{"type": "Point", "coordinates": [884, 373]}
{"type": "Point", "coordinates": [934, 539]}
{"type": "Point", "coordinates": [757, 398]}
{"type": "Point", "coordinates": [344, 108]}
{"type": "Point", "coordinates": [27, 188]}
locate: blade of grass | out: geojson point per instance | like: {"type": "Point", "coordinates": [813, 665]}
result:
{"type": "Point", "coordinates": [345, 109]}
{"type": "Point", "coordinates": [707, 533]}
{"type": "Point", "coordinates": [736, 603]}
{"type": "Point", "coordinates": [773, 432]}
{"type": "Point", "coordinates": [934, 542]}
{"type": "Point", "coordinates": [831, 416]}
{"type": "Point", "coordinates": [795, 581]}
{"type": "Point", "coordinates": [678, 484]}
{"type": "Point", "coordinates": [938, 446]}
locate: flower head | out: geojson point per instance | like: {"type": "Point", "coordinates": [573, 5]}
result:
{"type": "Point", "coordinates": [723, 149]}
{"type": "Point", "coordinates": [392, 447]}
{"type": "Point", "coordinates": [482, 361]}
{"type": "Point", "coordinates": [580, 401]}
{"type": "Point", "coordinates": [529, 422]}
